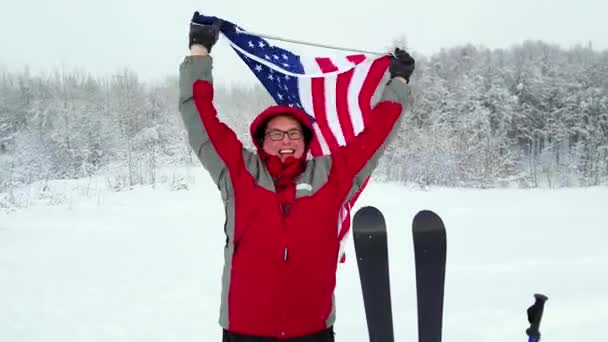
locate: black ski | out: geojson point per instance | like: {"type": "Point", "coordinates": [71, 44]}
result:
{"type": "Point", "coordinates": [430, 256]}
{"type": "Point", "coordinates": [370, 238]}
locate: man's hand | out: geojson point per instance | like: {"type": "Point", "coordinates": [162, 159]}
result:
{"type": "Point", "coordinates": [402, 65]}
{"type": "Point", "coordinates": [202, 34]}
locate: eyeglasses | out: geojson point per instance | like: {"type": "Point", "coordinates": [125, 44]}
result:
{"type": "Point", "coordinates": [277, 134]}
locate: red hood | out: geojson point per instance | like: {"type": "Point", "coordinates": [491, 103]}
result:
{"type": "Point", "coordinates": [259, 123]}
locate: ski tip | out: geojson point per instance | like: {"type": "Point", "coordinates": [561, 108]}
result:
{"type": "Point", "coordinates": [428, 219]}
{"type": "Point", "coordinates": [367, 212]}
{"type": "Point", "coordinates": [370, 209]}
{"type": "Point", "coordinates": [368, 219]}
{"type": "Point", "coordinates": [427, 215]}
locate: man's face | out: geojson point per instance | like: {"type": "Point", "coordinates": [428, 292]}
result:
{"type": "Point", "coordinates": [283, 137]}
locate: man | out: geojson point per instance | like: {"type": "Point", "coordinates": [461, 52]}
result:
{"type": "Point", "coordinates": [281, 252]}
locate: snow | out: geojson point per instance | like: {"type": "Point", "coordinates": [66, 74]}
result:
{"type": "Point", "coordinates": [144, 265]}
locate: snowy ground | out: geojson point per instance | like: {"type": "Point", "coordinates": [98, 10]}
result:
{"type": "Point", "coordinates": [144, 265]}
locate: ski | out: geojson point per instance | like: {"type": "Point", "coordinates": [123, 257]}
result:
{"type": "Point", "coordinates": [370, 240]}
{"type": "Point", "coordinates": [429, 238]}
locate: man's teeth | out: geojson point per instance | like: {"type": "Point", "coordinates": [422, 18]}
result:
{"type": "Point", "coordinates": [284, 151]}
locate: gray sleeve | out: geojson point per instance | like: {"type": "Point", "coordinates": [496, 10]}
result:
{"type": "Point", "coordinates": [215, 144]}
{"type": "Point", "coordinates": [195, 68]}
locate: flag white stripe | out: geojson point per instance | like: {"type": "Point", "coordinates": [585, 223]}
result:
{"type": "Point", "coordinates": [321, 139]}
{"type": "Point", "coordinates": [354, 88]}
{"type": "Point", "coordinates": [311, 67]}
{"type": "Point", "coordinates": [305, 92]}
{"type": "Point", "coordinates": [331, 111]}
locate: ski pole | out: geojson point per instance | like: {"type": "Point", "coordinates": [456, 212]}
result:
{"type": "Point", "coordinates": [309, 43]}
{"type": "Point", "coordinates": [535, 314]}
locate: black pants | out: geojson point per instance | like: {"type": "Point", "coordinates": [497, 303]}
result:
{"type": "Point", "coordinates": [322, 336]}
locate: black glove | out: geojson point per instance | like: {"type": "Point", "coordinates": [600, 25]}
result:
{"type": "Point", "coordinates": [402, 64]}
{"type": "Point", "coordinates": [206, 35]}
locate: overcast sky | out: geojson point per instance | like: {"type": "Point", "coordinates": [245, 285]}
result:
{"type": "Point", "coordinates": [150, 37]}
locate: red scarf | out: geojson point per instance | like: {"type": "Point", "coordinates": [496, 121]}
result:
{"type": "Point", "coordinates": [284, 174]}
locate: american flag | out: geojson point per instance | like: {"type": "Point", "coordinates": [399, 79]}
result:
{"type": "Point", "coordinates": [336, 92]}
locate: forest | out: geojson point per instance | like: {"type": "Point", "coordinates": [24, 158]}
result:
{"type": "Point", "coordinates": [533, 115]}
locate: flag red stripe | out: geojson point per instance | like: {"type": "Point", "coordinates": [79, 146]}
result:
{"type": "Point", "coordinates": [345, 226]}
{"type": "Point", "coordinates": [326, 64]}
{"type": "Point", "coordinates": [374, 76]}
{"type": "Point", "coordinates": [318, 105]}
{"type": "Point", "coordinates": [342, 107]}
{"type": "Point", "coordinates": [356, 58]}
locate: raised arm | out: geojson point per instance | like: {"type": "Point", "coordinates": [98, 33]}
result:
{"type": "Point", "coordinates": [215, 144]}
{"type": "Point", "coordinates": [360, 157]}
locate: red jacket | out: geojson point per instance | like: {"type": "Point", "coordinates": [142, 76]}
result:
{"type": "Point", "coordinates": [282, 245]}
